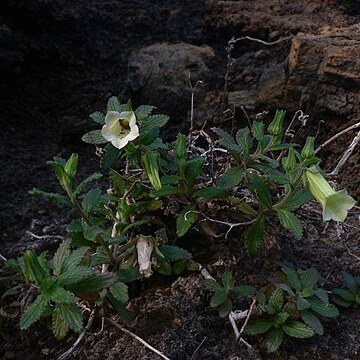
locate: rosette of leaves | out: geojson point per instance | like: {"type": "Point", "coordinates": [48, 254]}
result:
{"type": "Point", "coordinates": [225, 291]}
{"type": "Point", "coordinates": [351, 295]}
{"type": "Point", "coordinates": [62, 282]}
{"type": "Point", "coordinates": [273, 316]}
{"type": "Point", "coordinates": [308, 299]}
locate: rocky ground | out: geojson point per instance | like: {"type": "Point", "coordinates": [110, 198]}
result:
{"type": "Point", "coordinates": [60, 60]}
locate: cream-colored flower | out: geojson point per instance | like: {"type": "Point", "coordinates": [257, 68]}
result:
{"type": "Point", "coordinates": [335, 204]}
{"type": "Point", "coordinates": [120, 128]}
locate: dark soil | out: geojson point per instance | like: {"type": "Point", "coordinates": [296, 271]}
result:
{"type": "Point", "coordinates": [60, 61]}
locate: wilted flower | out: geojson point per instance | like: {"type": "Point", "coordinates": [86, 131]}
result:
{"type": "Point", "coordinates": [120, 128]}
{"type": "Point", "coordinates": [335, 204]}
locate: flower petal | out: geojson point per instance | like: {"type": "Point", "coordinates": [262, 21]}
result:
{"type": "Point", "coordinates": [120, 142]}
{"type": "Point", "coordinates": [112, 117]}
{"type": "Point", "coordinates": [337, 206]}
{"type": "Point", "coordinates": [134, 133]}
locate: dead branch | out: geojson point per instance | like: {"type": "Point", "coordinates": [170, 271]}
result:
{"type": "Point", "coordinates": [136, 337]}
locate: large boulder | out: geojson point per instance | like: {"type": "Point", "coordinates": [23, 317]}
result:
{"type": "Point", "coordinates": [159, 75]}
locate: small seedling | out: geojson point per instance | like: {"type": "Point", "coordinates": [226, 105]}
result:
{"type": "Point", "coordinates": [225, 292]}
{"type": "Point", "coordinates": [350, 296]}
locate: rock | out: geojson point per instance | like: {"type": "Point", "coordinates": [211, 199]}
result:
{"type": "Point", "coordinates": [159, 75]}
{"type": "Point", "coordinates": [321, 75]}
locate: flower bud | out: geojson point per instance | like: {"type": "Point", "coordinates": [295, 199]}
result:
{"type": "Point", "coordinates": [151, 164]}
{"type": "Point", "coordinates": [290, 161]}
{"type": "Point", "coordinates": [276, 127]}
{"type": "Point", "coordinates": [335, 204]}
{"type": "Point", "coordinates": [308, 151]}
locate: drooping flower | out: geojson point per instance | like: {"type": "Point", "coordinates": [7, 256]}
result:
{"type": "Point", "coordinates": [335, 204]}
{"type": "Point", "coordinates": [120, 128]}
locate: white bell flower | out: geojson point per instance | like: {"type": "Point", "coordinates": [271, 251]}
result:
{"type": "Point", "coordinates": [120, 128]}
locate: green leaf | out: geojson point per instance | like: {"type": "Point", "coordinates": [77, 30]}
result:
{"type": "Point", "coordinates": [166, 191]}
{"type": "Point", "coordinates": [232, 178]}
{"type": "Point", "coordinates": [218, 298]}
{"type": "Point", "coordinates": [98, 117]}
{"type": "Point", "coordinates": [174, 253]}
{"type": "Point", "coordinates": [120, 292]}
{"type": "Point", "coordinates": [345, 294]}
{"type": "Point", "coordinates": [120, 308]}
{"type": "Point", "coordinates": [340, 301]}
{"type": "Point", "coordinates": [33, 312]}
{"type": "Point", "coordinates": [129, 275]}
{"type": "Point", "coordinates": [34, 271]}
{"type": "Point", "coordinates": [93, 177]}
{"type": "Point", "coordinates": [113, 104]}
{"type": "Point", "coordinates": [94, 283]}
{"type": "Point", "coordinates": [75, 258]}
{"type": "Point", "coordinates": [309, 278]}
{"type": "Point", "coordinates": [256, 327]}
{"type": "Point", "coordinates": [255, 235]}
{"type": "Point", "coordinates": [153, 121]}
{"type": "Point", "coordinates": [242, 206]}
{"type": "Point", "coordinates": [327, 310]}
{"type": "Point", "coordinates": [60, 328]}
{"type": "Point", "coordinates": [71, 316]}
{"type": "Point", "coordinates": [213, 285]}
{"type": "Point", "coordinates": [91, 200]}
{"type": "Point", "coordinates": [233, 148]}
{"type": "Point", "coordinates": [322, 295]}
{"type": "Point", "coordinates": [74, 275]}
{"type": "Point", "coordinates": [302, 303]}
{"type": "Point", "coordinates": [183, 223]}
{"type": "Point", "coordinates": [222, 134]}
{"type": "Point", "coordinates": [52, 196]}
{"type": "Point", "coordinates": [276, 299]}
{"type": "Point", "coordinates": [261, 190]}
{"type": "Point", "coordinates": [91, 233]}
{"type": "Point", "coordinates": [274, 339]}
{"type": "Point", "coordinates": [170, 179]}
{"type": "Point", "coordinates": [61, 254]}
{"type": "Point", "coordinates": [94, 137]}
{"type": "Point", "coordinates": [193, 169]}
{"type": "Point", "coordinates": [228, 281]}
{"type": "Point", "coordinates": [143, 111]}
{"type": "Point", "coordinates": [310, 319]}
{"type": "Point", "coordinates": [225, 308]}
{"type": "Point", "coordinates": [351, 283]}
{"type": "Point", "coordinates": [258, 130]}
{"type": "Point", "coordinates": [212, 192]}
{"type": "Point", "coordinates": [244, 140]}
{"type": "Point", "coordinates": [60, 295]}
{"type": "Point", "coordinates": [292, 277]}
{"type": "Point", "coordinates": [297, 199]}
{"type": "Point", "coordinates": [110, 157]}
{"type": "Point", "coordinates": [298, 330]}
{"type": "Point", "coordinates": [244, 290]}
{"type": "Point", "coordinates": [289, 221]}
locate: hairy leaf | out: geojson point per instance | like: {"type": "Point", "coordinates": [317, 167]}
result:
{"type": "Point", "coordinates": [52, 196]}
{"type": "Point", "coordinates": [310, 319]}
{"type": "Point", "coordinates": [232, 178]}
{"type": "Point", "coordinates": [274, 339]}
{"type": "Point", "coordinates": [276, 299]}
{"type": "Point", "coordinates": [184, 221]}
{"type": "Point", "coordinates": [227, 280]}
{"type": "Point", "coordinates": [94, 137]}
{"type": "Point", "coordinates": [110, 157]}
{"type": "Point", "coordinates": [298, 330]}
{"type": "Point", "coordinates": [256, 327]}
{"type": "Point", "coordinates": [120, 292]}
{"type": "Point", "coordinates": [71, 315]}
{"type": "Point", "coordinates": [244, 290]}
{"type": "Point", "coordinates": [218, 298]}
{"type": "Point", "coordinates": [327, 310]}
{"type": "Point", "coordinates": [289, 221]}
{"type": "Point", "coordinates": [292, 277]}
{"type": "Point", "coordinates": [174, 253]}
{"type": "Point", "coordinates": [60, 327]}
{"type": "Point", "coordinates": [255, 235]}
{"type": "Point", "coordinates": [33, 312]}
{"type": "Point", "coordinates": [98, 117]}
{"type": "Point", "coordinates": [89, 179]}
{"type": "Point", "coordinates": [113, 104]}
{"type": "Point", "coordinates": [213, 285]}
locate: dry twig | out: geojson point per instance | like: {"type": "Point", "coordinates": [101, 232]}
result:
{"type": "Point", "coordinates": [198, 348]}
{"type": "Point", "coordinates": [66, 354]}
{"type": "Point", "coordinates": [136, 337]}
{"type": "Point", "coordinates": [230, 225]}
{"type": "Point", "coordinates": [327, 142]}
